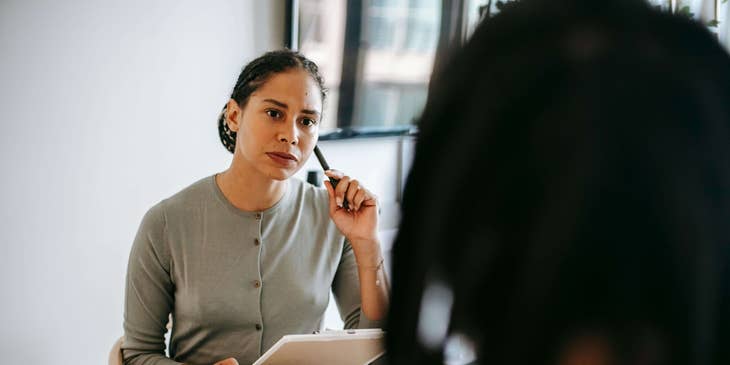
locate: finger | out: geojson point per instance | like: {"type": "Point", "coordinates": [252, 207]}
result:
{"type": "Point", "coordinates": [352, 189]}
{"type": "Point", "coordinates": [368, 199]}
{"type": "Point", "coordinates": [358, 198]}
{"type": "Point", "coordinates": [337, 174]}
{"type": "Point", "coordinates": [341, 189]}
{"type": "Point", "coordinates": [228, 361]}
{"type": "Point", "coordinates": [371, 200]}
{"type": "Point", "coordinates": [331, 194]}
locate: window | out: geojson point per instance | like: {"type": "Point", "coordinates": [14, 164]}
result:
{"type": "Point", "coordinates": [376, 57]}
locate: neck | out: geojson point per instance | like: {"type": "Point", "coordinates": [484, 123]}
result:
{"type": "Point", "coordinates": [249, 190]}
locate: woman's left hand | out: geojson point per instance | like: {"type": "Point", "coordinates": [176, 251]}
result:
{"type": "Point", "coordinates": [360, 223]}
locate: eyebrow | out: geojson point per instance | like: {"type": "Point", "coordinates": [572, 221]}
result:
{"type": "Point", "coordinates": [283, 105]}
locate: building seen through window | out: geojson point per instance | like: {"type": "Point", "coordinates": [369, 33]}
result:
{"type": "Point", "coordinates": [395, 56]}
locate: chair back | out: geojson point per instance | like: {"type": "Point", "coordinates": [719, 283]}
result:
{"type": "Point", "coordinates": [115, 355]}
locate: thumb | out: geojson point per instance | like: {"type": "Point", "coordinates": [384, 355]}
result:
{"type": "Point", "coordinates": [331, 194]}
{"type": "Point", "coordinates": [228, 361]}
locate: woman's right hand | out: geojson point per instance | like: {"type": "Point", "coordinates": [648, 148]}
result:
{"type": "Point", "coordinates": [228, 361]}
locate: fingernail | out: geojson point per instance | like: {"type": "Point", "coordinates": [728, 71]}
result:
{"type": "Point", "coordinates": [339, 202]}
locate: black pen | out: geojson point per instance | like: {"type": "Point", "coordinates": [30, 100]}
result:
{"type": "Point", "coordinates": [326, 167]}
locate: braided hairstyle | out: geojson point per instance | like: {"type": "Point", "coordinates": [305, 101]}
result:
{"type": "Point", "coordinates": [255, 74]}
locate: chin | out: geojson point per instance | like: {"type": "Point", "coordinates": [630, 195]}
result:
{"type": "Point", "coordinates": [281, 175]}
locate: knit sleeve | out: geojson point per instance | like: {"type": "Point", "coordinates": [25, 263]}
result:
{"type": "Point", "coordinates": [346, 291]}
{"type": "Point", "coordinates": [149, 295]}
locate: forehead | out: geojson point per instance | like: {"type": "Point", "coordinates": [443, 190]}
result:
{"type": "Point", "coordinates": [294, 87]}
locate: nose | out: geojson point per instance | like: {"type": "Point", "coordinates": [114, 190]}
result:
{"type": "Point", "coordinates": [289, 133]}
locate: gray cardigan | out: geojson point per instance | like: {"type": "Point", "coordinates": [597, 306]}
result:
{"type": "Point", "coordinates": [234, 281]}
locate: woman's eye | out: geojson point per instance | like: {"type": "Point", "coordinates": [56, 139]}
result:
{"type": "Point", "coordinates": [309, 122]}
{"type": "Point", "coordinates": [273, 113]}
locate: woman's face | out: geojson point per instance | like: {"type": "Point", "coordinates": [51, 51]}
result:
{"type": "Point", "coordinates": [278, 127]}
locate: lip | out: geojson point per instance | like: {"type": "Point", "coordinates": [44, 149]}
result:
{"type": "Point", "coordinates": [282, 158]}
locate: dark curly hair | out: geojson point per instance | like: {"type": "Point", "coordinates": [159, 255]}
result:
{"type": "Point", "coordinates": [255, 74]}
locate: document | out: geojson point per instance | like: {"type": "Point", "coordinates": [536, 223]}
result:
{"type": "Point", "coordinates": [347, 347]}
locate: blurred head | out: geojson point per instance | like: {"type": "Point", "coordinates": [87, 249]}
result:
{"type": "Point", "coordinates": [570, 187]}
{"type": "Point", "coordinates": [271, 122]}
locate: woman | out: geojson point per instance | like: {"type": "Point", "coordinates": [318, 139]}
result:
{"type": "Point", "coordinates": [569, 198]}
{"type": "Point", "coordinates": [241, 258]}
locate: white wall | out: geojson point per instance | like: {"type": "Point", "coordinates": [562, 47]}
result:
{"type": "Point", "coordinates": [106, 107]}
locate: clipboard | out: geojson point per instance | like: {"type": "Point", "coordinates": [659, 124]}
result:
{"type": "Point", "coordinates": [347, 347]}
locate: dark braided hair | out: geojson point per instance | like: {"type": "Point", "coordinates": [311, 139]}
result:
{"type": "Point", "coordinates": [255, 74]}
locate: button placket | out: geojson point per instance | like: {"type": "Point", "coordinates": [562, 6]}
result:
{"type": "Point", "coordinates": [257, 283]}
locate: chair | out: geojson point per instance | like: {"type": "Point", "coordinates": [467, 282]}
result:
{"type": "Point", "coordinates": [115, 355]}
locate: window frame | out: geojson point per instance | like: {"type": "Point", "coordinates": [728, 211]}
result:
{"type": "Point", "coordinates": [451, 34]}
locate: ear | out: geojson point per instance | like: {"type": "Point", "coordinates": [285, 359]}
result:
{"type": "Point", "coordinates": [233, 113]}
